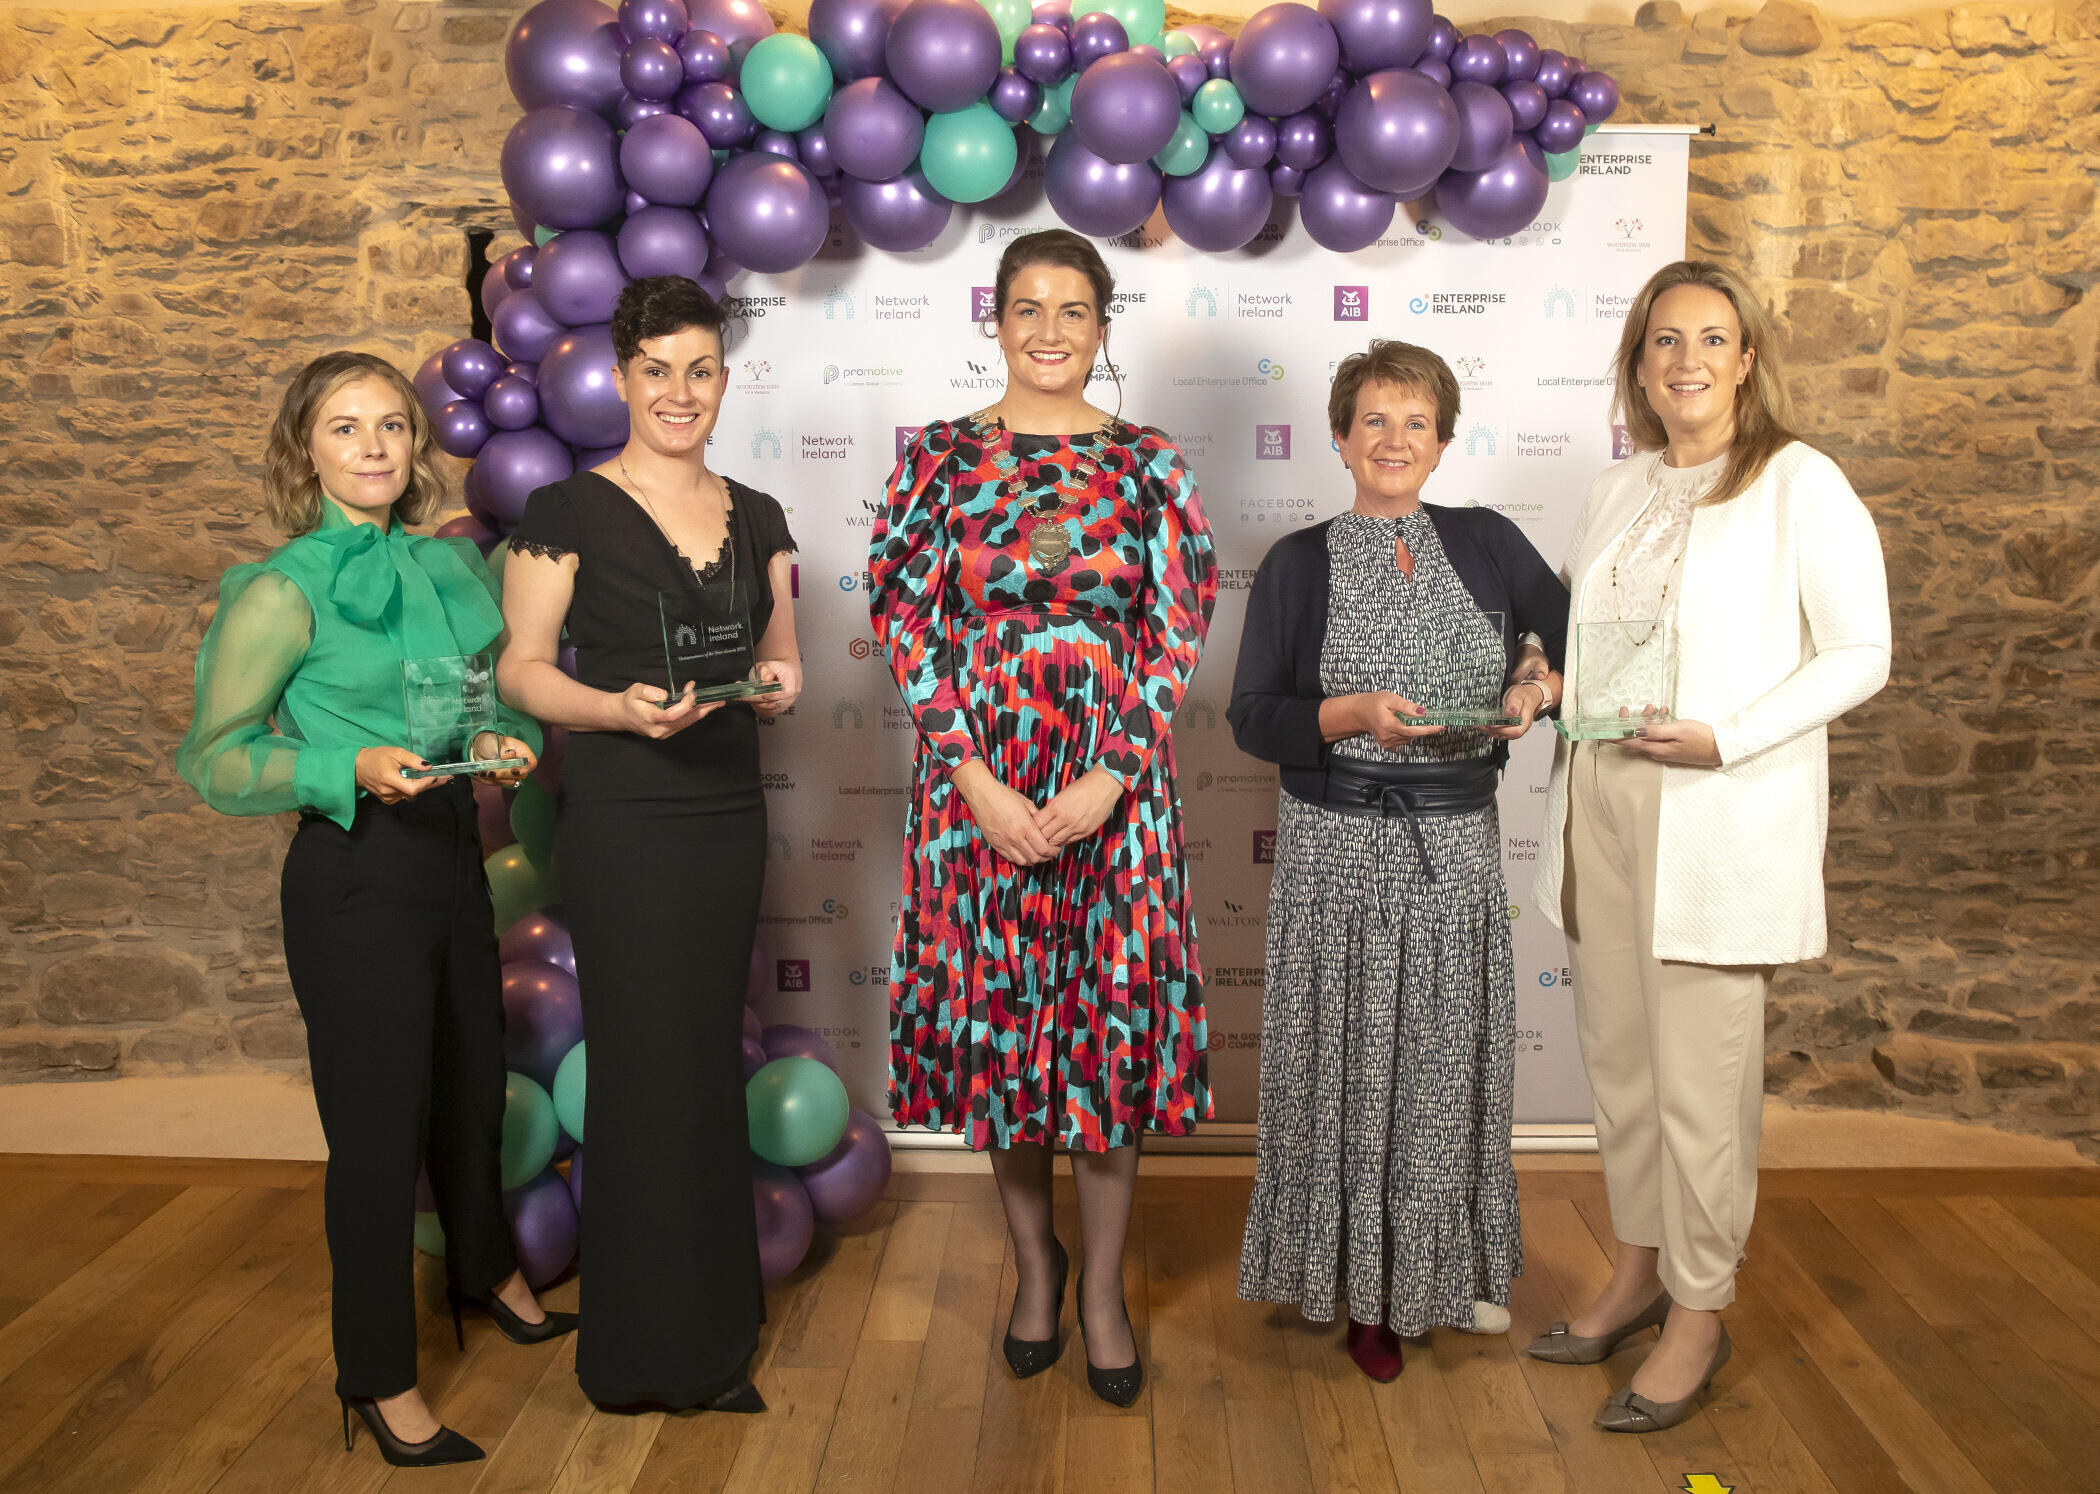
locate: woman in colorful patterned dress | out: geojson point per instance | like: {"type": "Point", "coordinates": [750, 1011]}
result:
{"type": "Point", "coordinates": [1043, 580]}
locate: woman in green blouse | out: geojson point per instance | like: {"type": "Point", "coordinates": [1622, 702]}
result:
{"type": "Point", "coordinates": [388, 933]}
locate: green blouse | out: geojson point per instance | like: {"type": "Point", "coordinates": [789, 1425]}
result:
{"type": "Point", "coordinates": [301, 668]}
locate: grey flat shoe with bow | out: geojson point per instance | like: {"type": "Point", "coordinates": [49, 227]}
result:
{"type": "Point", "coordinates": [1558, 1346]}
{"type": "Point", "coordinates": [1629, 1411]}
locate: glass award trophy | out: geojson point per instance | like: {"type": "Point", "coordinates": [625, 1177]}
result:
{"type": "Point", "coordinates": [1482, 644]}
{"type": "Point", "coordinates": [707, 642]}
{"type": "Point", "coordinates": [1622, 676]}
{"type": "Point", "coordinates": [450, 700]}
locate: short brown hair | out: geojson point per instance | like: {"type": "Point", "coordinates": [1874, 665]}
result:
{"type": "Point", "coordinates": [659, 305]}
{"type": "Point", "coordinates": [1386, 362]}
{"type": "Point", "coordinates": [1764, 413]}
{"type": "Point", "coordinates": [291, 488]}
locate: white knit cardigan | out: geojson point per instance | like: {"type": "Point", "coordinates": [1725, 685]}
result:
{"type": "Point", "coordinates": [1782, 626]}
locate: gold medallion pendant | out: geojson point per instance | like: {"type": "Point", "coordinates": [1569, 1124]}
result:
{"type": "Point", "coordinates": [1049, 546]}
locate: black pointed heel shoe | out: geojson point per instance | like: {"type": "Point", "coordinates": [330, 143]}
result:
{"type": "Point", "coordinates": [1027, 1357]}
{"type": "Point", "coordinates": [446, 1447]}
{"type": "Point", "coordinates": [1119, 1387]}
{"type": "Point", "coordinates": [513, 1327]}
{"type": "Point", "coordinates": [742, 1397]}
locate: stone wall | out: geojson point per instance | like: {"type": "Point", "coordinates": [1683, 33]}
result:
{"type": "Point", "coordinates": [193, 201]}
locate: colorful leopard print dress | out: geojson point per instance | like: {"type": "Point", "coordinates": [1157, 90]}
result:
{"type": "Point", "coordinates": [1042, 601]}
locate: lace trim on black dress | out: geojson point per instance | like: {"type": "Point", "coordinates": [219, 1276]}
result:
{"type": "Point", "coordinates": [713, 568]}
{"type": "Point", "coordinates": [540, 548]}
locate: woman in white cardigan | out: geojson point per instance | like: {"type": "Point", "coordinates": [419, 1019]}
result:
{"type": "Point", "coordinates": [1686, 861]}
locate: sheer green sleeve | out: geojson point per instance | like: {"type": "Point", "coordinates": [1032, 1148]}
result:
{"type": "Point", "coordinates": [232, 755]}
{"type": "Point", "coordinates": [510, 721]}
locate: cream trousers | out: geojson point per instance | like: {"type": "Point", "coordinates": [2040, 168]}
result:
{"type": "Point", "coordinates": [1675, 1051]}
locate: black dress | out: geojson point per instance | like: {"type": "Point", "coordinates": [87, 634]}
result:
{"type": "Point", "coordinates": [661, 854]}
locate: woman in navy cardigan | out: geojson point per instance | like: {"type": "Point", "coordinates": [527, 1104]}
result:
{"type": "Point", "coordinates": [1388, 1068]}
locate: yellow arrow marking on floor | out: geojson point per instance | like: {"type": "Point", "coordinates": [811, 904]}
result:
{"type": "Point", "coordinates": [1705, 1483]}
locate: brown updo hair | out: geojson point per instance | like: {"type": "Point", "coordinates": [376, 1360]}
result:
{"type": "Point", "coordinates": [292, 489]}
{"type": "Point", "coordinates": [1053, 246]}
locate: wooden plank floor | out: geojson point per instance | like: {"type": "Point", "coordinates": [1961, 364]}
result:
{"type": "Point", "coordinates": [163, 1327]}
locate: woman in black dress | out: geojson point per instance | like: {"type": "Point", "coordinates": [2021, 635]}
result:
{"type": "Point", "coordinates": [661, 847]}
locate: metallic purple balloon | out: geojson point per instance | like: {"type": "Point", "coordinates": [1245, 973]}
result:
{"type": "Point", "coordinates": [543, 1227]}
{"type": "Point", "coordinates": [578, 278]}
{"type": "Point", "coordinates": [468, 527]}
{"type": "Point", "coordinates": [1478, 59]}
{"type": "Point", "coordinates": [1329, 103]}
{"type": "Point", "coordinates": [633, 110]}
{"type": "Point", "coordinates": [665, 20]}
{"type": "Point", "coordinates": [720, 112]}
{"type": "Point", "coordinates": [1304, 140]}
{"type": "Point", "coordinates": [460, 428]}
{"type": "Point", "coordinates": [1126, 108]}
{"type": "Point", "coordinates": [1596, 95]}
{"type": "Point", "coordinates": [851, 34]}
{"type": "Point", "coordinates": [776, 143]}
{"type": "Point", "coordinates": [721, 267]}
{"type": "Point", "coordinates": [1043, 54]}
{"type": "Point", "coordinates": [517, 266]}
{"type": "Point", "coordinates": [493, 289]}
{"type": "Point", "coordinates": [1436, 72]}
{"type": "Point", "coordinates": [1219, 207]}
{"type": "Point", "coordinates": [1096, 35]}
{"type": "Point", "coordinates": [565, 52]}
{"type": "Point", "coordinates": [559, 167]}
{"type": "Point", "coordinates": [706, 57]}
{"type": "Point", "coordinates": [515, 463]}
{"type": "Point", "coordinates": [1217, 56]}
{"type": "Point", "coordinates": [1146, 49]}
{"type": "Point", "coordinates": [900, 215]}
{"type": "Point", "coordinates": [738, 23]}
{"type": "Point", "coordinates": [1485, 124]}
{"type": "Point", "coordinates": [849, 1180]}
{"type": "Point", "coordinates": [667, 160]}
{"type": "Point", "coordinates": [814, 147]}
{"type": "Point", "coordinates": [767, 212]}
{"type": "Point", "coordinates": [1576, 68]}
{"type": "Point", "coordinates": [786, 1040]}
{"type": "Point", "coordinates": [1203, 35]}
{"type": "Point", "coordinates": [635, 202]}
{"type": "Point", "coordinates": [664, 241]}
{"type": "Point", "coordinates": [1340, 212]}
{"type": "Point", "coordinates": [529, 372]}
{"type": "Point", "coordinates": [1443, 37]}
{"type": "Point", "coordinates": [540, 935]}
{"type": "Point", "coordinates": [1519, 52]}
{"type": "Point", "coordinates": [577, 397]}
{"type": "Point", "coordinates": [1527, 103]}
{"type": "Point", "coordinates": [785, 1219]}
{"type": "Point", "coordinates": [511, 403]}
{"type": "Point", "coordinates": [1283, 59]}
{"type": "Point", "coordinates": [1252, 142]}
{"type": "Point", "coordinates": [754, 1057]}
{"type": "Point", "coordinates": [944, 54]}
{"type": "Point", "coordinates": [470, 366]}
{"type": "Point", "coordinates": [1056, 13]}
{"type": "Point", "coordinates": [1397, 132]}
{"type": "Point", "coordinates": [1096, 197]}
{"type": "Point", "coordinates": [1189, 74]}
{"type": "Point", "coordinates": [875, 131]}
{"type": "Point", "coordinates": [1378, 34]}
{"type": "Point", "coordinates": [1497, 202]}
{"type": "Point", "coordinates": [652, 69]}
{"type": "Point", "coordinates": [1014, 98]}
{"type": "Point", "coordinates": [1552, 73]}
{"type": "Point", "coordinates": [1286, 181]}
{"type": "Point", "coordinates": [542, 1018]}
{"type": "Point", "coordinates": [522, 327]}
{"type": "Point", "coordinates": [1560, 131]}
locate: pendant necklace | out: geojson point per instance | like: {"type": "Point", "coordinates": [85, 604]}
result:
{"type": "Point", "coordinates": [1662, 602]}
{"type": "Point", "coordinates": [1049, 541]}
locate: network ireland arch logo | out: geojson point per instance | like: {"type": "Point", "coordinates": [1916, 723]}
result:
{"type": "Point", "coordinates": [838, 304]}
{"type": "Point", "coordinates": [1201, 296]}
{"type": "Point", "coordinates": [1560, 301]}
{"type": "Point", "coordinates": [765, 442]}
{"type": "Point", "coordinates": [1480, 436]}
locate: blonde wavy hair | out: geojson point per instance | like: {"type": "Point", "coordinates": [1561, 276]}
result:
{"type": "Point", "coordinates": [292, 490]}
{"type": "Point", "coordinates": [1764, 413]}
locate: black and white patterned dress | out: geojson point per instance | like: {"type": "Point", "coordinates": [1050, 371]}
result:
{"type": "Point", "coordinates": [1388, 1068]}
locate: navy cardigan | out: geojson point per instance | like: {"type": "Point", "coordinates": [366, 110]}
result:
{"type": "Point", "coordinates": [1276, 694]}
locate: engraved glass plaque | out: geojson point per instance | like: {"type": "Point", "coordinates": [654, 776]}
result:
{"type": "Point", "coordinates": [1621, 676]}
{"type": "Point", "coordinates": [1482, 645]}
{"type": "Point", "coordinates": [707, 645]}
{"type": "Point", "coordinates": [449, 701]}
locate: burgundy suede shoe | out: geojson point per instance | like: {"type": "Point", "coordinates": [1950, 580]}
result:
{"type": "Point", "coordinates": [1376, 1350]}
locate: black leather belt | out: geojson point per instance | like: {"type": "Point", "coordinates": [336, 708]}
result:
{"type": "Point", "coordinates": [1411, 791]}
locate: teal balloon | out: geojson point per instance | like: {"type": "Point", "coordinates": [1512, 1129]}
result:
{"type": "Point", "coordinates": [430, 1235]}
{"type": "Point", "coordinates": [1218, 106]}
{"type": "Point", "coordinates": [518, 885]}
{"type": "Point", "coordinates": [968, 155]}
{"type": "Point", "coordinates": [786, 81]}
{"type": "Point", "coordinates": [1055, 111]}
{"type": "Point", "coordinates": [1178, 44]}
{"type": "Point", "coordinates": [568, 1093]}
{"type": "Point", "coordinates": [1187, 151]}
{"type": "Point", "coordinates": [798, 1110]}
{"type": "Point", "coordinates": [529, 1130]}
{"type": "Point", "coordinates": [1012, 18]}
{"type": "Point", "coordinates": [1143, 20]}
{"type": "Point", "coordinates": [1559, 168]}
{"type": "Point", "coordinates": [532, 821]}
{"type": "Point", "coordinates": [541, 236]}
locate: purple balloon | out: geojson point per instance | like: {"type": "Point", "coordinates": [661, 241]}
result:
{"type": "Point", "coordinates": [1283, 58]}
{"type": "Point", "coordinates": [1189, 74]}
{"type": "Point", "coordinates": [559, 165]}
{"type": "Point", "coordinates": [470, 366]}
{"type": "Point", "coordinates": [1527, 103]}
{"type": "Point", "coordinates": [513, 465]}
{"type": "Point", "coordinates": [1096, 35]}
{"type": "Point", "coordinates": [720, 112]}
{"type": "Point", "coordinates": [776, 143]}
{"type": "Point", "coordinates": [875, 131]}
{"type": "Point", "coordinates": [1217, 56]}
{"type": "Point", "coordinates": [1340, 212]}
{"type": "Point", "coordinates": [461, 428]}
{"type": "Point", "coordinates": [1596, 95]}
{"type": "Point", "coordinates": [540, 936]}
{"type": "Point", "coordinates": [1202, 35]}
{"type": "Point", "coordinates": [1097, 197]}
{"type": "Point", "coordinates": [1304, 140]}
{"type": "Point", "coordinates": [635, 203]}
{"type": "Point", "coordinates": [739, 23]}
{"type": "Point", "coordinates": [523, 328]}
{"type": "Point", "coordinates": [1378, 34]}
{"type": "Point", "coordinates": [542, 1019]}
{"type": "Point", "coordinates": [1252, 142]}
{"type": "Point", "coordinates": [814, 147]}
{"type": "Point", "coordinates": [849, 1180]}
{"type": "Point", "coordinates": [493, 289]}
{"type": "Point", "coordinates": [1056, 13]}
{"type": "Point", "coordinates": [578, 278]}
{"type": "Point", "coordinates": [1146, 49]}
{"type": "Point", "coordinates": [633, 110]}
{"type": "Point", "coordinates": [516, 267]}
{"type": "Point", "coordinates": [663, 241]}
{"type": "Point", "coordinates": [468, 527]}
{"type": "Point", "coordinates": [1485, 124]}
{"type": "Point", "coordinates": [754, 1056]}
{"type": "Point", "coordinates": [665, 20]}
{"type": "Point", "coordinates": [1560, 131]}
{"type": "Point", "coordinates": [529, 372]}
{"type": "Point", "coordinates": [1126, 108]}
{"type": "Point", "coordinates": [1329, 103]}
{"type": "Point", "coordinates": [785, 1219]}
{"type": "Point", "coordinates": [1219, 207]}
{"type": "Point", "coordinates": [1286, 181]}
{"type": "Point", "coordinates": [706, 57]}
{"type": "Point", "coordinates": [1552, 73]}
{"type": "Point", "coordinates": [667, 160]}
{"type": "Point", "coordinates": [1014, 98]}
{"type": "Point", "coordinates": [1436, 72]}
{"type": "Point", "coordinates": [565, 52]}
{"type": "Point", "coordinates": [1397, 132]}
{"type": "Point", "coordinates": [944, 54]}
{"type": "Point", "coordinates": [851, 34]}
{"type": "Point", "coordinates": [1442, 40]}
{"type": "Point", "coordinates": [1478, 59]}
{"type": "Point", "coordinates": [1043, 54]}
{"type": "Point", "coordinates": [786, 1040]}
{"type": "Point", "coordinates": [1520, 54]}
{"type": "Point", "coordinates": [1497, 202]}
{"type": "Point", "coordinates": [767, 212]}
{"type": "Point", "coordinates": [576, 1177]}
{"type": "Point", "coordinates": [511, 403]}
{"type": "Point", "coordinates": [1576, 68]}
{"type": "Point", "coordinates": [577, 398]}
{"type": "Point", "coordinates": [473, 489]}
{"type": "Point", "coordinates": [543, 1225]}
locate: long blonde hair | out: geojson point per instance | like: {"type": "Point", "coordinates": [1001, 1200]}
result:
{"type": "Point", "coordinates": [1764, 413]}
{"type": "Point", "coordinates": [291, 488]}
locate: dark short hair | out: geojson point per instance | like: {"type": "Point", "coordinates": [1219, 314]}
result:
{"type": "Point", "coordinates": [657, 306]}
{"type": "Point", "coordinates": [1053, 246]}
{"type": "Point", "coordinates": [1402, 363]}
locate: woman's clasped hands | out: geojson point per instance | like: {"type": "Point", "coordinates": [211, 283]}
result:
{"type": "Point", "coordinates": [1023, 833]}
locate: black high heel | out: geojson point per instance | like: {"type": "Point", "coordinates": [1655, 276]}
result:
{"type": "Point", "coordinates": [435, 1452]}
{"type": "Point", "coordinates": [1119, 1387]}
{"type": "Point", "coordinates": [1031, 1356]}
{"type": "Point", "coordinates": [513, 1327]}
{"type": "Point", "coordinates": [742, 1397]}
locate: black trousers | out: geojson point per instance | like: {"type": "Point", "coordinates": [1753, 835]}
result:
{"type": "Point", "coordinates": [390, 941]}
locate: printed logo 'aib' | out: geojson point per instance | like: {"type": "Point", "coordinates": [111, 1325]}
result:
{"type": "Point", "coordinates": [1204, 296]}
{"type": "Point", "coordinates": [984, 302]}
{"type": "Point", "coordinates": [1272, 443]}
{"type": "Point", "coordinates": [1352, 303]}
{"type": "Point", "coordinates": [1621, 443]}
{"type": "Point", "coordinates": [1560, 301]}
{"type": "Point", "coordinates": [1264, 847]}
{"type": "Point", "coordinates": [765, 442]}
{"type": "Point", "coordinates": [791, 975]}
{"type": "Point", "coordinates": [904, 435]}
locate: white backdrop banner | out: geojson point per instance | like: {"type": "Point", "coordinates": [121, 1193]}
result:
{"type": "Point", "coordinates": [1232, 355]}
